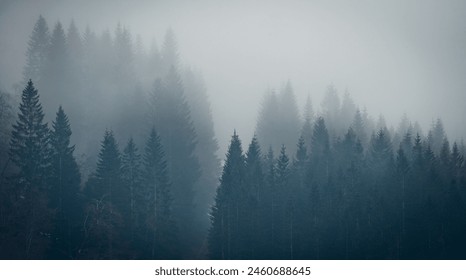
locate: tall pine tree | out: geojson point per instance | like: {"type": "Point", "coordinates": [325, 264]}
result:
{"type": "Point", "coordinates": [162, 236]}
{"type": "Point", "coordinates": [224, 234]}
{"type": "Point", "coordinates": [29, 152]}
{"type": "Point", "coordinates": [64, 183]}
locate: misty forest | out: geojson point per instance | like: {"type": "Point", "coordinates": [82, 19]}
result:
{"type": "Point", "coordinates": [109, 151]}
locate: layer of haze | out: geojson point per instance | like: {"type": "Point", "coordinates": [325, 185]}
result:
{"type": "Point", "coordinates": [394, 57]}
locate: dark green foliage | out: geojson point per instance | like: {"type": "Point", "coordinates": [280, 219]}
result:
{"type": "Point", "coordinates": [161, 236]}
{"type": "Point", "coordinates": [346, 189]}
{"type": "Point", "coordinates": [29, 141]}
{"type": "Point", "coordinates": [107, 209]}
{"type": "Point", "coordinates": [206, 146]}
{"type": "Point", "coordinates": [30, 216]}
{"type": "Point", "coordinates": [339, 202]}
{"type": "Point", "coordinates": [173, 123]}
{"type": "Point", "coordinates": [64, 183]}
{"type": "Point", "coordinates": [132, 178]}
{"type": "Point", "coordinates": [225, 236]}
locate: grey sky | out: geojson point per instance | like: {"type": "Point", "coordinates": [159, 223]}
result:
{"type": "Point", "coordinates": [392, 56]}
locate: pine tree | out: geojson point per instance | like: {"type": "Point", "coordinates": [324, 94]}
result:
{"type": "Point", "coordinates": [29, 151]}
{"type": "Point", "coordinates": [64, 182]}
{"type": "Point", "coordinates": [55, 82]}
{"type": "Point", "coordinates": [74, 71]}
{"type": "Point", "coordinates": [206, 146]}
{"type": "Point", "coordinates": [169, 52]}
{"type": "Point", "coordinates": [37, 53]}
{"type": "Point", "coordinates": [360, 128]}
{"type": "Point", "coordinates": [173, 122]}
{"type": "Point", "coordinates": [331, 110]}
{"type": "Point", "coordinates": [435, 136]}
{"type": "Point", "coordinates": [285, 214]}
{"type": "Point", "coordinates": [29, 140]}
{"type": "Point", "coordinates": [348, 110]}
{"type": "Point", "coordinates": [320, 141]}
{"type": "Point", "coordinates": [224, 241]}
{"type": "Point", "coordinates": [278, 123]}
{"type": "Point", "coordinates": [306, 130]}
{"type": "Point", "coordinates": [289, 122]}
{"type": "Point", "coordinates": [402, 169]}
{"type": "Point", "coordinates": [267, 124]}
{"type": "Point", "coordinates": [108, 169]}
{"type": "Point", "coordinates": [162, 233]}
{"type": "Point", "coordinates": [254, 191]}
{"type": "Point", "coordinates": [108, 204]}
{"type": "Point", "coordinates": [131, 176]}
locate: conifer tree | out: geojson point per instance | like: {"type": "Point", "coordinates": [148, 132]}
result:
{"type": "Point", "coordinates": [224, 241]}
{"type": "Point", "coordinates": [29, 152]}
{"type": "Point", "coordinates": [173, 123]}
{"type": "Point", "coordinates": [267, 128]}
{"type": "Point", "coordinates": [206, 146]}
{"type": "Point", "coordinates": [131, 176]}
{"type": "Point", "coordinates": [169, 52]}
{"type": "Point", "coordinates": [162, 233]}
{"type": "Point", "coordinates": [37, 52]}
{"type": "Point", "coordinates": [108, 205]}
{"type": "Point", "coordinates": [29, 141]}
{"type": "Point", "coordinates": [306, 130]}
{"type": "Point", "coordinates": [64, 183]}
{"type": "Point", "coordinates": [56, 70]}
{"type": "Point", "coordinates": [284, 214]}
{"type": "Point", "coordinates": [289, 122]}
{"type": "Point", "coordinates": [254, 196]}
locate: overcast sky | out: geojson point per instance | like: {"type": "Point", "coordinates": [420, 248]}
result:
{"type": "Point", "coordinates": [394, 57]}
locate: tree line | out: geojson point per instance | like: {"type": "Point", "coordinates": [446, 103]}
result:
{"type": "Point", "coordinates": [328, 185]}
{"type": "Point", "coordinates": [338, 198]}
{"type": "Point", "coordinates": [102, 81]}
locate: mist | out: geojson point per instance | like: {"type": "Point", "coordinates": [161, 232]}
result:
{"type": "Point", "coordinates": [184, 129]}
{"type": "Point", "coordinates": [393, 57]}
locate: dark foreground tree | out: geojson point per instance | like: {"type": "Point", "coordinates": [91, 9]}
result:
{"type": "Point", "coordinates": [161, 236]}
{"type": "Point", "coordinates": [226, 215]}
{"type": "Point", "coordinates": [30, 216]}
{"type": "Point", "coordinates": [64, 184]}
{"type": "Point", "coordinates": [107, 206]}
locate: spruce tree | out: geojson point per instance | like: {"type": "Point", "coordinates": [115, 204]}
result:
{"type": "Point", "coordinates": [29, 152]}
{"type": "Point", "coordinates": [131, 176]}
{"type": "Point", "coordinates": [64, 183]}
{"type": "Point", "coordinates": [108, 205]}
{"type": "Point", "coordinates": [253, 202]}
{"type": "Point", "coordinates": [267, 128]}
{"type": "Point", "coordinates": [224, 241]}
{"type": "Point", "coordinates": [162, 232]}
{"type": "Point", "coordinates": [55, 81]}
{"type": "Point", "coordinates": [37, 52]}
{"type": "Point", "coordinates": [206, 146]}
{"type": "Point", "coordinates": [173, 123]}
{"type": "Point", "coordinates": [306, 130]}
{"type": "Point", "coordinates": [289, 124]}
{"type": "Point", "coordinates": [284, 214]}
{"type": "Point", "coordinates": [29, 141]}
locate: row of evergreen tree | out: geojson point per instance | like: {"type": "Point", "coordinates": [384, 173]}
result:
{"type": "Point", "coordinates": [339, 200]}
{"type": "Point", "coordinates": [107, 80]}
{"type": "Point", "coordinates": [352, 189]}
{"type": "Point", "coordinates": [124, 211]}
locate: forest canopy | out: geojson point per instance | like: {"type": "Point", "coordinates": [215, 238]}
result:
{"type": "Point", "coordinates": [109, 152]}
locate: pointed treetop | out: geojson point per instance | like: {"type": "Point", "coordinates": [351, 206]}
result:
{"type": "Point", "coordinates": [308, 113]}
{"type": "Point", "coordinates": [254, 150]}
{"type": "Point", "coordinates": [170, 56]}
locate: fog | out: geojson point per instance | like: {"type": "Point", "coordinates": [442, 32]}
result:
{"type": "Point", "coordinates": [232, 129]}
{"type": "Point", "coordinates": [393, 57]}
